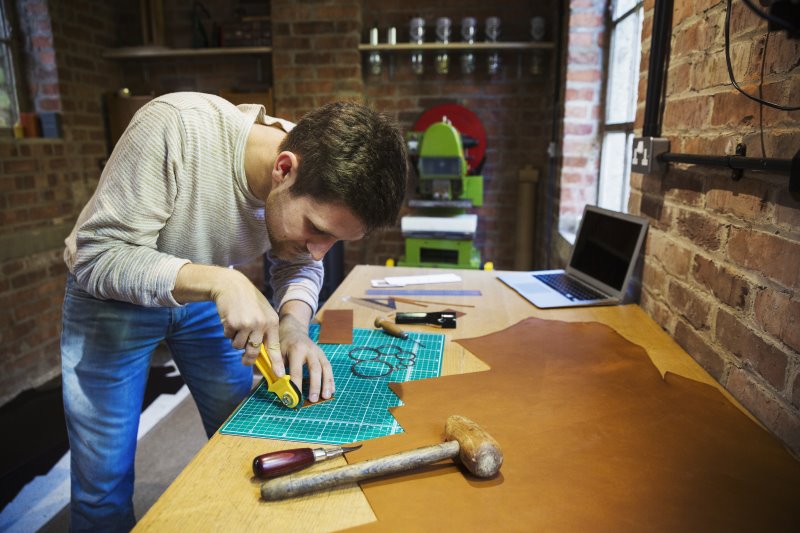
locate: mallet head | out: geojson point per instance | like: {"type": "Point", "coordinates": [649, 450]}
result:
{"type": "Point", "coordinates": [479, 452]}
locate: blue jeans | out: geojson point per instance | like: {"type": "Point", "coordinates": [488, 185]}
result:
{"type": "Point", "coordinates": [106, 348]}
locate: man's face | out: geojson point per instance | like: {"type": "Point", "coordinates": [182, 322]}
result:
{"type": "Point", "coordinates": [299, 226]}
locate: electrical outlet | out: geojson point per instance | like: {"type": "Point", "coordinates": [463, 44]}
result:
{"type": "Point", "coordinates": [646, 150]}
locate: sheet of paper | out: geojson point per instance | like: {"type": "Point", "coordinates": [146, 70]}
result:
{"type": "Point", "coordinates": [402, 281]}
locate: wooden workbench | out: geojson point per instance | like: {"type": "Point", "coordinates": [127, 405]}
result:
{"type": "Point", "coordinates": [217, 491]}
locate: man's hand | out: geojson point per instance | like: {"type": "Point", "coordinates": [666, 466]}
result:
{"type": "Point", "coordinates": [300, 350]}
{"type": "Point", "coordinates": [247, 318]}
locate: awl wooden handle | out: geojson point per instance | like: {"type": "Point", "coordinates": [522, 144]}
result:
{"type": "Point", "coordinates": [275, 464]}
{"type": "Point", "coordinates": [390, 328]}
{"type": "Point", "coordinates": [298, 484]}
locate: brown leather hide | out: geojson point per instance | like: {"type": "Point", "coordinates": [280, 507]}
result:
{"type": "Point", "coordinates": [594, 440]}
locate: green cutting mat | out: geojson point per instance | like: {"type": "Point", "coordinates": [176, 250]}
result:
{"type": "Point", "coordinates": [359, 410]}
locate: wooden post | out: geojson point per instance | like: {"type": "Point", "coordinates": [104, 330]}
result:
{"type": "Point", "coordinates": [526, 207]}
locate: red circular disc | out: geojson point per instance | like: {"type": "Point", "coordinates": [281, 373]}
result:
{"type": "Point", "coordinates": [467, 124]}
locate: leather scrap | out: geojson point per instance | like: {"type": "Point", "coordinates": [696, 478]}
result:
{"type": "Point", "coordinates": [594, 440]}
{"type": "Point", "coordinates": [336, 327]}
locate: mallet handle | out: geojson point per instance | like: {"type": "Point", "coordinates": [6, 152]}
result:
{"type": "Point", "coordinates": [298, 484]}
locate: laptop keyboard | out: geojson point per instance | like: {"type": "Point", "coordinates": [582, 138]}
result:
{"type": "Point", "coordinates": [570, 288]}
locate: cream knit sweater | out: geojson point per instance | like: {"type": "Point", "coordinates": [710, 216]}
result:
{"type": "Point", "coordinates": [174, 191]}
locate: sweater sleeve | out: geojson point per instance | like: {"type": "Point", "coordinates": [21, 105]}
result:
{"type": "Point", "coordinates": [116, 256]}
{"type": "Point", "coordinates": [296, 280]}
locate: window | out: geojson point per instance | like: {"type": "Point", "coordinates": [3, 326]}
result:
{"type": "Point", "coordinates": [625, 29]}
{"type": "Point", "coordinates": [9, 109]}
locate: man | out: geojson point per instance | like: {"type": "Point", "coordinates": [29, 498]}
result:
{"type": "Point", "coordinates": [193, 186]}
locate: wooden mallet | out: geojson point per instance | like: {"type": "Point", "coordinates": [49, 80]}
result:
{"type": "Point", "coordinates": [476, 449]}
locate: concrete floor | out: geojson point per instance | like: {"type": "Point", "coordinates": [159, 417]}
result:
{"type": "Point", "coordinates": [160, 456]}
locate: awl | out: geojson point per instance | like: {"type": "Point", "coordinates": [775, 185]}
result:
{"type": "Point", "coordinates": [275, 464]}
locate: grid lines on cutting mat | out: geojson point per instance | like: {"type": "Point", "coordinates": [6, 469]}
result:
{"type": "Point", "coordinates": [359, 410]}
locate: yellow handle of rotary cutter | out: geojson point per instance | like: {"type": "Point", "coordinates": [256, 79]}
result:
{"type": "Point", "coordinates": [283, 388]}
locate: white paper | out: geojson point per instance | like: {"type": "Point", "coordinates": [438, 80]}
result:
{"type": "Point", "coordinates": [402, 281]}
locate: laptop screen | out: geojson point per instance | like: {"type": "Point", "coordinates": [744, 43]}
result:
{"type": "Point", "coordinates": [604, 247]}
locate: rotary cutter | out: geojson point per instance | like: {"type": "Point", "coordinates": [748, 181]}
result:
{"type": "Point", "coordinates": [286, 391]}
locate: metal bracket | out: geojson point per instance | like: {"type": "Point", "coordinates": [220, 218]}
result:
{"type": "Point", "coordinates": [737, 173]}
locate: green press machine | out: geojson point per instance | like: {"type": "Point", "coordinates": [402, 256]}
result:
{"type": "Point", "coordinates": [440, 232]}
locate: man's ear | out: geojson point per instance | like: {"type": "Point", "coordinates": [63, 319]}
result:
{"type": "Point", "coordinates": [285, 167]}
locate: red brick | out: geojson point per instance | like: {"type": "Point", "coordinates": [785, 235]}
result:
{"type": "Point", "coordinates": [682, 9]}
{"type": "Point", "coordinates": [585, 57]}
{"type": "Point", "coordinates": [580, 37]}
{"type": "Point", "coordinates": [684, 187]}
{"type": "Point", "coordinates": [704, 145]}
{"type": "Point", "coordinates": [694, 309]}
{"type": "Point", "coordinates": [573, 128]}
{"type": "Point", "coordinates": [782, 57]}
{"type": "Point", "coordinates": [787, 210]}
{"type": "Point", "coordinates": [743, 19]}
{"type": "Point", "coordinates": [779, 315]}
{"type": "Point", "coordinates": [729, 288]}
{"type": "Point", "coordinates": [766, 406]}
{"type": "Point", "coordinates": [708, 71]}
{"type": "Point", "coordinates": [679, 78]}
{"type": "Point", "coordinates": [581, 95]}
{"type": "Point", "coordinates": [783, 144]}
{"type": "Point", "coordinates": [796, 391]}
{"type": "Point", "coordinates": [698, 347]}
{"type": "Point", "coordinates": [689, 113]}
{"type": "Point", "coordinates": [656, 309]}
{"type": "Point", "coordinates": [585, 19]}
{"type": "Point", "coordinates": [653, 206]}
{"type": "Point", "coordinates": [20, 166]}
{"type": "Point", "coordinates": [669, 253]}
{"type": "Point", "coordinates": [745, 199]}
{"type": "Point", "coordinates": [770, 362]}
{"type": "Point", "coordinates": [576, 110]}
{"type": "Point", "coordinates": [731, 109]}
{"type": "Point", "coordinates": [703, 230]}
{"type": "Point", "coordinates": [584, 75]}
{"type": "Point", "coordinates": [771, 255]}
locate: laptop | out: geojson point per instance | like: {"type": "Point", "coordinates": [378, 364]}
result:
{"type": "Point", "coordinates": [600, 266]}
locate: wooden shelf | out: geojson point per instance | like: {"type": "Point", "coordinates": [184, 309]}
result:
{"type": "Point", "coordinates": [456, 46]}
{"type": "Point", "coordinates": [154, 52]}
{"type": "Point", "coordinates": [147, 52]}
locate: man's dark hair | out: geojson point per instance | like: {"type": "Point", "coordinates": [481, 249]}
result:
{"type": "Point", "coordinates": [353, 156]}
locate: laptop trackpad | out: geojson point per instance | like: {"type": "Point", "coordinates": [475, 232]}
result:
{"type": "Point", "coordinates": [534, 288]}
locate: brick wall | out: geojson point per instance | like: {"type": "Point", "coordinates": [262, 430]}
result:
{"type": "Point", "coordinates": [584, 83]}
{"type": "Point", "coordinates": [514, 107]}
{"type": "Point", "coordinates": [722, 268]}
{"type": "Point", "coordinates": [315, 60]}
{"type": "Point", "coordinates": [45, 183]}
{"type": "Point", "coordinates": [42, 79]}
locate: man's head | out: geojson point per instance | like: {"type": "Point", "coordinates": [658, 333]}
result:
{"type": "Point", "coordinates": [352, 156]}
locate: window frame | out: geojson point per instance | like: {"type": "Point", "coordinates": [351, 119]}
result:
{"type": "Point", "coordinates": [605, 126]}
{"type": "Point", "coordinates": [10, 39]}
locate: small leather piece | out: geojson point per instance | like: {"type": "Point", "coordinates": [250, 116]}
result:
{"type": "Point", "coordinates": [336, 327]}
{"type": "Point", "coordinates": [594, 439]}
{"type": "Point", "coordinates": [309, 403]}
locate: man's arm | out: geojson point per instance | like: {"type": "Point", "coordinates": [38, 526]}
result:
{"type": "Point", "coordinates": [114, 244]}
{"type": "Point", "coordinates": [247, 317]}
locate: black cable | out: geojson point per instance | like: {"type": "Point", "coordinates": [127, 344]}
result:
{"type": "Point", "coordinates": [777, 21]}
{"type": "Point", "coordinates": [730, 68]}
{"type": "Point", "coordinates": [761, 94]}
